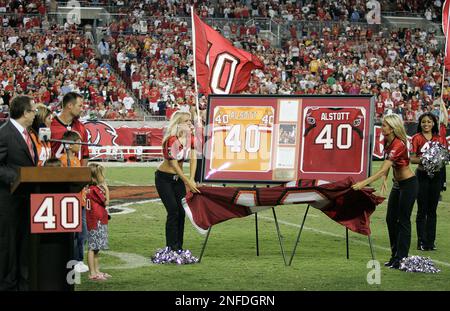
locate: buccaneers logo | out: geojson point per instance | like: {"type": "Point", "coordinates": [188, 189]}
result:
{"type": "Point", "coordinates": [101, 133]}
{"type": "Point", "coordinates": [357, 121]}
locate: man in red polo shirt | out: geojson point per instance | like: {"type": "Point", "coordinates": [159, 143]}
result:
{"type": "Point", "coordinates": [68, 120]}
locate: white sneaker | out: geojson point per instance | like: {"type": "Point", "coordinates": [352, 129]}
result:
{"type": "Point", "coordinates": [80, 267]}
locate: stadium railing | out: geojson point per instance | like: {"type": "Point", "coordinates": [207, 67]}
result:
{"type": "Point", "coordinates": [277, 27]}
{"type": "Point", "coordinates": [155, 118]}
{"type": "Point", "coordinates": [40, 30]}
{"type": "Point", "coordinates": [126, 153]}
{"type": "Point", "coordinates": [86, 3]}
{"type": "Point", "coordinates": [402, 13]}
{"type": "Point", "coordinates": [319, 26]}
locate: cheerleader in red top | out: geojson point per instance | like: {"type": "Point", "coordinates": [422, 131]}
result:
{"type": "Point", "coordinates": [97, 198]}
{"type": "Point", "coordinates": [429, 188]}
{"type": "Point", "coordinates": [404, 191]}
{"type": "Point", "coordinates": [171, 182]}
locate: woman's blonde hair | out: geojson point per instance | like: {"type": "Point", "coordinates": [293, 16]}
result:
{"type": "Point", "coordinates": [42, 112]}
{"type": "Point", "coordinates": [97, 174]}
{"type": "Point", "coordinates": [396, 123]}
{"type": "Point", "coordinates": [172, 128]}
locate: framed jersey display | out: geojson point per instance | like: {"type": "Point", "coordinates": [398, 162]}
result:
{"type": "Point", "coordinates": [275, 139]}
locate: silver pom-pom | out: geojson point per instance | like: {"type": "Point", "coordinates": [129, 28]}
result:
{"type": "Point", "coordinates": [434, 158]}
{"type": "Point", "coordinates": [418, 264]}
{"type": "Point", "coordinates": [180, 257]}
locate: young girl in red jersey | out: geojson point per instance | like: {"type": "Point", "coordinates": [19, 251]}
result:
{"type": "Point", "coordinates": [404, 191]}
{"type": "Point", "coordinates": [97, 198]}
{"type": "Point", "coordinates": [171, 182]}
{"type": "Point", "coordinates": [429, 188]}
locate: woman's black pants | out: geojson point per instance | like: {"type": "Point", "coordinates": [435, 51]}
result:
{"type": "Point", "coordinates": [398, 217]}
{"type": "Point", "coordinates": [171, 190]}
{"type": "Point", "coordinates": [427, 202]}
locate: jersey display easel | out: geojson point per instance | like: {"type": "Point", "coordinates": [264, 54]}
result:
{"type": "Point", "coordinates": [287, 261]}
{"type": "Point", "coordinates": [270, 140]}
{"type": "Point", "coordinates": [256, 236]}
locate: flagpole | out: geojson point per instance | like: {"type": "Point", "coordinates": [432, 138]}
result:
{"type": "Point", "coordinates": [445, 55]}
{"type": "Point", "coordinates": [446, 43]}
{"type": "Point", "coordinates": [195, 68]}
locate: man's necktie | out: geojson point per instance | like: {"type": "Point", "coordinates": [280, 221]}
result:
{"type": "Point", "coordinates": [29, 143]}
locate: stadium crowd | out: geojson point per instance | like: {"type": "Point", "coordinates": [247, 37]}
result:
{"type": "Point", "coordinates": [48, 64]}
{"type": "Point", "coordinates": [23, 6]}
{"type": "Point", "coordinates": [401, 68]}
{"type": "Point", "coordinates": [153, 57]}
{"type": "Point", "coordinates": [287, 10]}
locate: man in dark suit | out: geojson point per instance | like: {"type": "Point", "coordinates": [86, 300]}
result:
{"type": "Point", "coordinates": [16, 150]}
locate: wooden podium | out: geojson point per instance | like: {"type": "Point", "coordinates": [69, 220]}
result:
{"type": "Point", "coordinates": [49, 253]}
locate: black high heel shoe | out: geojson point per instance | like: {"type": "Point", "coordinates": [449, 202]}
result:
{"type": "Point", "coordinates": [395, 264]}
{"type": "Point", "coordinates": [421, 247]}
{"type": "Point", "coordinates": [390, 262]}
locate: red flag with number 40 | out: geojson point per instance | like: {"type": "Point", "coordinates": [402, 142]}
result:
{"type": "Point", "coordinates": [445, 29]}
{"type": "Point", "coordinates": [221, 67]}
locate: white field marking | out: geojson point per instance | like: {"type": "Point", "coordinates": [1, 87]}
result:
{"type": "Point", "coordinates": [148, 216]}
{"type": "Point", "coordinates": [134, 203]}
{"type": "Point", "coordinates": [125, 210]}
{"type": "Point", "coordinates": [131, 164]}
{"type": "Point", "coordinates": [341, 236]}
{"type": "Point", "coordinates": [112, 181]}
{"type": "Point", "coordinates": [131, 260]}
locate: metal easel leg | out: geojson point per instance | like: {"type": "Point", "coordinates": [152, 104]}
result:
{"type": "Point", "coordinates": [298, 236]}
{"type": "Point", "coordinates": [257, 235]}
{"type": "Point", "coordinates": [371, 247]}
{"type": "Point", "coordinates": [346, 243]}
{"type": "Point", "coordinates": [279, 236]}
{"type": "Point", "coordinates": [204, 245]}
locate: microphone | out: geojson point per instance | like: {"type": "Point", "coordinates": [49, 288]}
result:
{"type": "Point", "coordinates": [44, 134]}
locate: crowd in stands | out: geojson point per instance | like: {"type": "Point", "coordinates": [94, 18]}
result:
{"type": "Point", "coordinates": [23, 6]}
{"type": "Point", "coordinates": [154, 58]}
{"type": "Point", "coordinates": [431, 9]}
{"type": "Point", "coordinates": [401, 68]}
{"type": "Point", "coordinates": [48, 64]}
{"type": "Point", "coordinates": [29, 14]}
{"type": "Point", "coordinates": [284, 10]}
{"type": "Point", "coordinates": [277, 10]}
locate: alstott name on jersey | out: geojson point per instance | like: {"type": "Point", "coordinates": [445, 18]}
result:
{"type": "Point", "coordinates": [335, 116]}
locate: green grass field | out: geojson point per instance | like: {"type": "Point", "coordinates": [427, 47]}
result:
{"type": "Point", "coordinates": [230, 261]}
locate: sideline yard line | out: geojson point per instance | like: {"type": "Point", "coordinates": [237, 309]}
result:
{"type": "Point", "coordinates": [130, 164]}
{"type": "Point", "coordinates": [341, 236]}
{"type": "Point", "coordinates": [130, 261]}
{"type": "Point", "coordinates": [134, 203]}
{"type": "Point", "coordinates": [112, 181]}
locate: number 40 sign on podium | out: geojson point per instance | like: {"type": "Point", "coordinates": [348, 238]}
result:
{"type": "Point", "coordinates": [55, 213]}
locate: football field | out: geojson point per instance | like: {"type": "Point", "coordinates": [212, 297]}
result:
{"type": "Point", "coordinates": [230, 261]}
